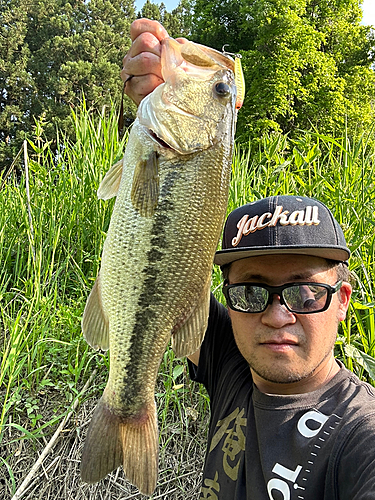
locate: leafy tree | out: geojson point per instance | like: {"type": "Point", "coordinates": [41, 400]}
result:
{"type": "Point", "coordinates": [151, 10]}
{"type": "Point", "coordinates": [53, 50]}
{"type": "Point", "coordinates": [217, 23]}
{"type": "Point", "coordinates": [15, 80]}
{"type": "Point", "coordinates": [306, 62]}
{"type": "Point", "coordinates": [177, 22]}
{"type": "Point", "coordinates": [79, 47]}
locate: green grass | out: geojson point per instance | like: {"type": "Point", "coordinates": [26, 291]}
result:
{"type": "Point", "coordinates": [51, 257]}
{"type": "Point", "coordinates": [49, 265]}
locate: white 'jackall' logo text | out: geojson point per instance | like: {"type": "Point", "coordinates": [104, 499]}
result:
{"type": "Point", "coordinates": [307, 217]}
{"type": "Point", "coordinates": [290, 476]}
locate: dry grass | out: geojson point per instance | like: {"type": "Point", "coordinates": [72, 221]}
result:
{"type": "Point", "coordinates": [180, 462]}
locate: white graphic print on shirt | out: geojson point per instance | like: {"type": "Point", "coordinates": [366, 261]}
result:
{"type": "Point", "coordinates": [285, 481]}
{"type": "Point", "coordinates": [287, 476]}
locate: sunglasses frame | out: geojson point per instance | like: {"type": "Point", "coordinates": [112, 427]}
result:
{"type": "Point", "coordinates": [278, 290]}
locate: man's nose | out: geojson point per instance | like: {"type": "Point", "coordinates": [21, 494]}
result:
{"type": "Point", "coordinates": [277, 315]}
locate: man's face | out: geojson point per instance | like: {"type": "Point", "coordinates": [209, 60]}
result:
{"type": "Point", "coordinates": [287, 352]}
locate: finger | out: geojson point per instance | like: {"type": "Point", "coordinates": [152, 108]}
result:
{"type": "Point", "coordinates": [141, 65]}
{"type": "Point", "coordinates": [146, 42]}
{"type": "Point", "coordinates": [139, 86]}
{"type": "Point", "coordinates": [147, 25]}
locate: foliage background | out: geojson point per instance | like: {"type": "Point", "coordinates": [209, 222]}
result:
{"type": "Point", "coordinates": [50, 52]}
{"type": "Point", "coordinates": [52, 229]}
{"type": "Point", "coordinates": [307, 63]}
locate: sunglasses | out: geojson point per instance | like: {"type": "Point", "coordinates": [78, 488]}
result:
{"type": "Point", "coordinates": [299, 298]}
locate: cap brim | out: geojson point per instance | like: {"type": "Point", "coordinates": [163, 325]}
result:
{"type": "Point", "coordinates": [223, 257]}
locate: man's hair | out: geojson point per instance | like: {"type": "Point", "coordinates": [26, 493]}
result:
{"type": "Point", "coordinates": [342, 270]}
{"type": "Point", "coordinates": [225, 272]}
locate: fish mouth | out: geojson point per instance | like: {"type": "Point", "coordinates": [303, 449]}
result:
{"type": "Point", "coordinates": [194, 59]}
{"type": "Point", "coordinates": [157, 139]}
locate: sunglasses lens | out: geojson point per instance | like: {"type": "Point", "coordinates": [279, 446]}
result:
{"type": "Point", "coordinates": [305, 298]}
{"type": "Point", "coordinates": [248, 298]}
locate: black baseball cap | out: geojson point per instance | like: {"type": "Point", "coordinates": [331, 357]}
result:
{"type": "Point", "coordinates": [282, 225]}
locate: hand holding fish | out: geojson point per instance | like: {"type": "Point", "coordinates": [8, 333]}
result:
{"type": "Point", "coordinates": [142, 64]}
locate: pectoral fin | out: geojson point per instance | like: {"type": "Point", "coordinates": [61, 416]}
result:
{"type": "Point", "coordinates": [110, 184]}
{"type": "Point", "coordinates": [95, 326]}
{"type": "Point", "coordinates": [145, 188]}
{"type": "Point", "coordinates": [187, 338]}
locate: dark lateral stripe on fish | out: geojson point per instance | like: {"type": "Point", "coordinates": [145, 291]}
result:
{"type": "Point", "coordinates": [149, 296]}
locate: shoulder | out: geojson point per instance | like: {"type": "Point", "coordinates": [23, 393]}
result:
{"type": "Point", "coordinates": [219, 329]}
{"type": "Point", "coordinates": [352, 465]}
{"type": "Point", "coordinates": [359, 395]}
{"type": "Point", "coordinates": [218, 311]}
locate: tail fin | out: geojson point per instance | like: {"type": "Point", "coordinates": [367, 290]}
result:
{"type": "Point", "coordinates": [112, 440]}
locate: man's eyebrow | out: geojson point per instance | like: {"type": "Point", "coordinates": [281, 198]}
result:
{"type": "Point", "coordinates": [252, 277]}
{"type": "Point", "coordinates": [259, 278]}
{"type": "Point", "coordinates": [307, 276]}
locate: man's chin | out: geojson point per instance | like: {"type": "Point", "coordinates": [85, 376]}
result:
{"type": "Point", "coordinates": [281, 376]}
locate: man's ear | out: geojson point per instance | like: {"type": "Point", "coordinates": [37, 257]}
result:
{"type": "Point", "coordinates": [344, 298]}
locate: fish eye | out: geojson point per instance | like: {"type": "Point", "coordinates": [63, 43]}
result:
{"type": "Point", "coordinates": [222, 89]}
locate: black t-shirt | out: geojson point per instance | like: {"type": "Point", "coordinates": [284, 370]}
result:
{"type": "Point", "coordinates": [314, 446]}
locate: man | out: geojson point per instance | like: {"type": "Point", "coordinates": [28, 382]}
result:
{"type": "Point", "coordinates": [287, 420]}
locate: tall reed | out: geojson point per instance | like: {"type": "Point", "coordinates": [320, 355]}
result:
{"type": "Point", "coordinates": [49, 263]}
{"type": "Point", "coordinates": [49, 266]}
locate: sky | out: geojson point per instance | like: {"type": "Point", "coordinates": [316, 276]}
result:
{"type": "Point", "coordinates": [170, 4]}
{"type": "Point", "coordinates": [368, 8]}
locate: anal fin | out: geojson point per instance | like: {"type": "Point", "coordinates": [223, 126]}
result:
{"type": "Point", "coordinates": [95, 325]}
{"type": "Point", "coordinates": [145, 187]}
{"type": "Point", "coordinates": [187, 338]}
{"type": "Point", "coordinates": [140, 448]}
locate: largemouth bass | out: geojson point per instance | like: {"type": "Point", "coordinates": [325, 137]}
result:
{"type": "Point", "coordinates": [155, 275]}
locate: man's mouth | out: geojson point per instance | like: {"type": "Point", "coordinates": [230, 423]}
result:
{"type": "Point", "coordinates": [280, 344]}
{"type": "Point", "coordinates": [280, 341]}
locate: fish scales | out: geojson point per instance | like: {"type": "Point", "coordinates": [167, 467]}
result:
{"type": "Point", "coordinates": [156, 298]}
{"type": "Point", "coordinates": [155, 273]}
{"type": "Point", "coordinates": [162, 273]}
